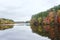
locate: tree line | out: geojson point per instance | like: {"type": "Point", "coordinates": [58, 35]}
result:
{"type": "Point", "coordinates": [43, 23]}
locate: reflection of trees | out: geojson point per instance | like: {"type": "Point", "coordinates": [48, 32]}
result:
{"type": "Point", "coordinates": [3, 27]}
{"type": "Point", "coordinates": [39, 29]}
{"type": "Point", "coordinates": [45, 30]}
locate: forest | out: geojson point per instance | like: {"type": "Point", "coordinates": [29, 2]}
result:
{"type": "Point", "coordinates": [47, 22]}
{"type": "Point", "coordinates": [4, 23]}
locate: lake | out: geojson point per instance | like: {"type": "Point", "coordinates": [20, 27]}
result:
{"type": "Point", "coordinates": [20, 32]}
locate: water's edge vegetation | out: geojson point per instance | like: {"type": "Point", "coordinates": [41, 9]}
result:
{"type": "Point", "coordinates": [4, 23]}
{"type": "Point", "coordinates": [44, 23]}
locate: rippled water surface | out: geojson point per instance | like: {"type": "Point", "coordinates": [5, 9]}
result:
{"type": "Point", "coordinates": [20, 32]}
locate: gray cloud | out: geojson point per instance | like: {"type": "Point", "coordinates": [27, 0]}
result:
{"type": "Point", "coordinates": [20, 9]}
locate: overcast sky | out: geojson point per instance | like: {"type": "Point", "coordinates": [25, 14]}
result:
{"type": "Point", "coordinates": [20, 10]}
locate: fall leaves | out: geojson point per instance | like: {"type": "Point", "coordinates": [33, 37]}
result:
{"type": "Point", "coordinates": [45, 24]}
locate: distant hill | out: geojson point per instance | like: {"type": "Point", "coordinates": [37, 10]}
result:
{"type": "Point", "coordinates": [22, 22]}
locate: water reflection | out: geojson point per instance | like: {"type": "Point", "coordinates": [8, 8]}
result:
{"type": "Point", "coordinates": [51, 31]}
{"type": "Point", "coordinates": [19, 32]}
{"type": "Point", "coordinates": [6, 26]}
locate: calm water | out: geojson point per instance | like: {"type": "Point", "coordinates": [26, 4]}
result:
{"type": "Point", "coordinates": [20, 32]}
